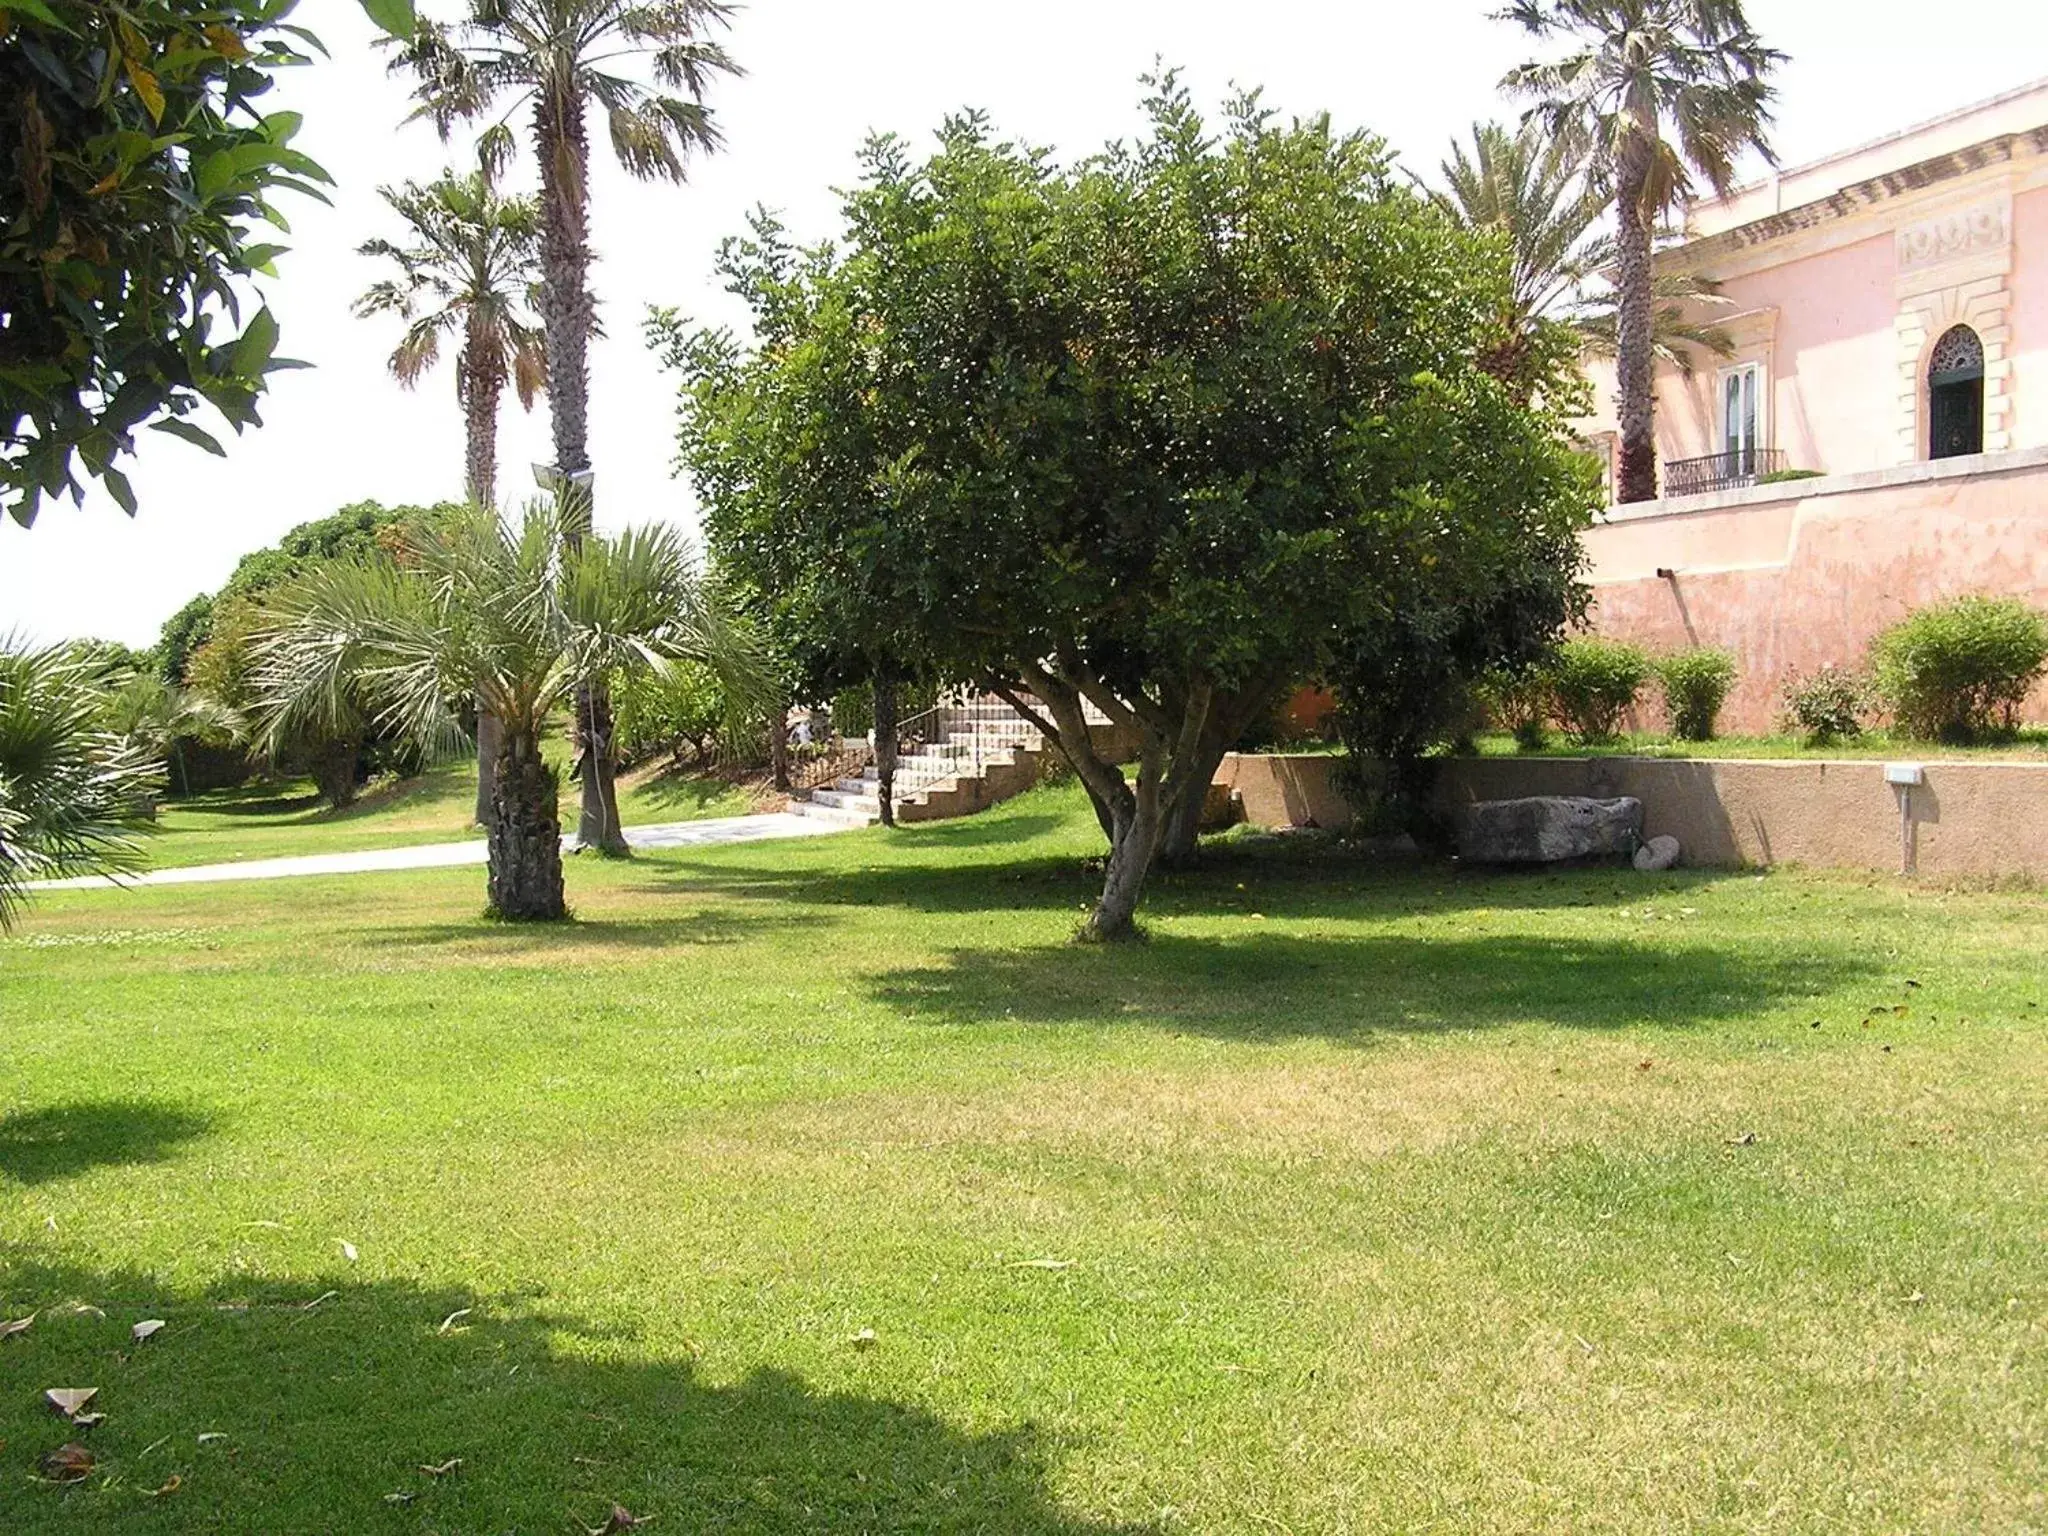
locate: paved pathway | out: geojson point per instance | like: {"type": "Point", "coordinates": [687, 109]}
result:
{"type": "Point", "coordinates": [675, 834]}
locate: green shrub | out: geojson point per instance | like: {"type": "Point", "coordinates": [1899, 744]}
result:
{"type": "Point", "coordinates": [1781, 476]}
{"type": "Point", "coordinates": [1696, 685]}
{"type": "Point", "coordinates": [1961, 669]}
{"type": "Point", "coordinates": [1594, 683]}
{"type": "Point", "coordinates": [1518, 702]}
{"type": "Point", "coordinates": [1827, 705]}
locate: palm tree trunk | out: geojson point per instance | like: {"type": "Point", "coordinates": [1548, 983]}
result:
{"type": "Point", "coordinates": [483, 384]}
{"type": "Point", "coordinates": [1635, 362]}
{"type": "Point", "coordinates": [567, 315]}
{"type": "Point", "coordinates": [525, 844]}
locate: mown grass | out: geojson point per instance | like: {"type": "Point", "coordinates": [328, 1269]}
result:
{"type": "Point", "coordinates": [273, 818]}
{"type": "Point", "coordinates": [1363, 1197]}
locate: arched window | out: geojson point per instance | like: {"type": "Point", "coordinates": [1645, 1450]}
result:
{"type": "Point", "coordinates": [1955, 395]}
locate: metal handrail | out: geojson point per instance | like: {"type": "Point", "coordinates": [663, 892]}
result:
{"type": "Point", "coordinates": [1721, 471]}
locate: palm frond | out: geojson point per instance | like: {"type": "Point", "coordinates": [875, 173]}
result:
{"type": "Point", "coordinates": [69, 787]}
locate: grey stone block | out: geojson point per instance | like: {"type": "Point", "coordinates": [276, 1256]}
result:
{"type": "Point", "coordinates": [1550, 829]}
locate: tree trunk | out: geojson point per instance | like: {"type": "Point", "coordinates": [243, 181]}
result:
{"type": "Point", "coordinates": [885, 746]}
{"type": "Point", "coordinates": [778, 746]}
{"type": "Point", "coordinates": [1230, 716]}
{"type": "Point", "coordinates": [490, 741]}
{"type": "Point", "coordinates": [1133, 847]}
{"type": "Point", "coordinates": [1635, 361]}
{"type": "Point", "coordinates": [481, 381]}
{"type": "Point", "coordinates": [334, 771]}
{"type": "Point", "coordinates": [567, 315]}
{"type": "Point", "coordinates": [525, 844]}
{"type": "Point", "coordinates": [597, 822]}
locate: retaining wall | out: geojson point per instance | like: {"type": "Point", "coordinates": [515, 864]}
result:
{"type": "Point", "coordinates": [1969, 819]}
{"type": "Point", "coordinates": [1794, 576]}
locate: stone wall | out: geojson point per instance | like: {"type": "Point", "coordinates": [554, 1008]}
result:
{"type": "Point", "coordinates": [1795, 576]}
{"type": "Point", "coordinates": [1969, 819]}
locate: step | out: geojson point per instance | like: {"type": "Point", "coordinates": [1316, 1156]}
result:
{"type": "Point", "coordinates": [838, 816]}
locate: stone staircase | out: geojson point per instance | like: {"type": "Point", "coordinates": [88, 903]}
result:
{"type": "Point", "coordinates": [957, 759]}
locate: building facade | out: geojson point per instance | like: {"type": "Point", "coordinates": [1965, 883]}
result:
{"type": "Point", "coordinates": [1878, 438]}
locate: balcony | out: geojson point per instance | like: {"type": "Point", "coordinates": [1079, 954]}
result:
{"type": "Point", "coordinates": [1721, 471]}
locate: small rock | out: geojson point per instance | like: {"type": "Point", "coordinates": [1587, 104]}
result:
{"type": "Point", "coordinates": [1658, 853]}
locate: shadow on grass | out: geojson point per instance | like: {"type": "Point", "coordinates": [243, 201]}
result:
{"type": "Point", "coordinates": [1292, 877]}
{"type": "Point", "coordinates": [310, 809]}
{"type": "Point", "coordinates": [61, 1140]}
{"type": "Point", "coordinates": [1270, 987]}
{"type": "Point", "coordinates": [682, 790]}
{"type": "Point", "coordinates": [326, 1408]}
{"type": "Point", "coordinates": [708, 927]}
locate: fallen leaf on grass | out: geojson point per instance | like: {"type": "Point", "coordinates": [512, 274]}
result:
{"type": "Point", "coordinates": [68, 1463]}
{"type": "Point", "coordinates": [1746, 1139]}
{"type": "Point", "coordinates": [18, 1325]}
{"type": "Point", "coordinates": [449, 1322]}
{"type": "Point", "coordinates": [88, 1420]}
{"type": "Point", "coordinates": [1043, 1264]}
{"type": "Point", "coordinates": [1644, 1066]}
{"type": "Point", "coordinates": [76, 1309]}
{"type": "Point", "coordinates": [211, 1436]}
{"type": "Point", "coordinates": [865, 1339]}
{"type": "Point", "coordinates": [148, 1328]}
{"type": "Point", "coordinates": [348, 1249]}
{"type": "Point", "coordinates": [171, 1485]}
{"type": "Point", "coordinates": [400, 1498]}
{"type": "Point", "coordinates": [444, 1469]}
{"type": "Point", "coordinates": [70, 1401]}
{"type": "Point", "coordinates": [620, 1519]}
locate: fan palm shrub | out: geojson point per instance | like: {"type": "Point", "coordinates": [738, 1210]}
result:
{"type": "Point", "coordinates": [157, 718]}
{"type": "Point", "coordinates": [69, 785]}
{"type": "Point", "coordinates": [513, 615]}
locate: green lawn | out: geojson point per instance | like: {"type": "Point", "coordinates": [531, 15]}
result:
{"type": "Point", "coordinates": [825, 1186]}
{"type": "Point", "coordinates": [268, 819]}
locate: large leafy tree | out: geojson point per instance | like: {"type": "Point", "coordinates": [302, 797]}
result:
{"type": "Point", "coordinates": [70, 787]}
{"type": "Point", "coordinates": [515, 616]}
{"type": "Point", "coordinates": [470, 268]}
{"type": "Point", "coordinates": [1655, 96]}
{"type": "Point", "coordinates": [645, 66]}
{"type": "Point", "coordinates": [139, 161]}
{"type": "Point", "coordinates": [1141, 440]}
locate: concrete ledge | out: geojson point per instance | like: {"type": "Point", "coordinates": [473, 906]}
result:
{"type": "Point", "coordinates": [1968, 820]}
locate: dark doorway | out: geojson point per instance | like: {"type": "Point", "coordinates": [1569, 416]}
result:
{"type": "Point", "coordinates": [1955, 395]}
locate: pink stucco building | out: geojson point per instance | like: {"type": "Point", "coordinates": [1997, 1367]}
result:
{"type": "Point", "coordinates": [1889, 309]}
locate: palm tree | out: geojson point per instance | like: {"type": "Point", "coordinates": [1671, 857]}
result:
{"type": "Point", "coordinates": [556, 58]}
{"type": "Point", "coordinates": [516, 617]}
{"type": "Point", "coordinates": [69, 787]}
{"type": "Point", "coordinates": [1656, 94]}
{"type": "Point", "coordinates": [1528, 186]}
{"type": "Point", "coordinates": [157, 718]}
{"type": "Point", "coordinates": [471, 265]}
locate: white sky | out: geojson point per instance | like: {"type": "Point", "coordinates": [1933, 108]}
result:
{"type": "Point", "coordinates": [821, 74]}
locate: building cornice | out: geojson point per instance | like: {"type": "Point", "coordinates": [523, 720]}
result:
{"type": "Point", "coordinates": [2006, 159]}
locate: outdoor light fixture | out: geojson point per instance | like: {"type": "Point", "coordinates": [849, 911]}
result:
{"type": "Point", "coordinates": [549, 478]}
{"type": "Point", "coordinates": [1902, 777]}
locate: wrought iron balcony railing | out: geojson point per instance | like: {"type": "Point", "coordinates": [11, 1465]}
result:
{"type": "Point", "coordinates": [1721, 471]}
